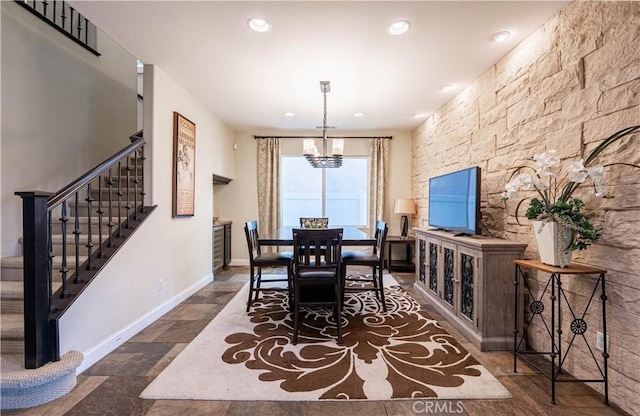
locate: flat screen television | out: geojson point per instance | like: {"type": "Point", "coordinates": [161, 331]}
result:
{"type": "Point", "coordinates": [454, 201]}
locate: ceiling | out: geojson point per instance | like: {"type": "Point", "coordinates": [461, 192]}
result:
{"type": "Point", "coordinates": [249, 80]}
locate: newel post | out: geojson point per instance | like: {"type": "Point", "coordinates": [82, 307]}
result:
{"type": "Point", "coordinates": [37, 346]}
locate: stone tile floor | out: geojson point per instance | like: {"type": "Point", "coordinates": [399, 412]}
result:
{"type": "Point", "coordinates": [113, 385]}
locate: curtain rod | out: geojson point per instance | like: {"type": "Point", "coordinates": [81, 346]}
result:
{"type": "Point", "coordinates": [320, 137]}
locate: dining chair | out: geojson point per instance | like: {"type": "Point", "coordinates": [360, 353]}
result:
{"type": "Point", "coordinates": [316, 274]}
{"type": "Point", "coordinates": [258, 260]}
{"type": "Point", "coordinates": [314, 222]}
{"type": "Point", "coordinates": [374, 260]}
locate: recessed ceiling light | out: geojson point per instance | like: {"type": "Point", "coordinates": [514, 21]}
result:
{"type": "Point", "coordinates": [289, 114]}
{"type": "Point", "coordinates": [419, 115]}
{"type": "Point", "coordinates": [447, 87]}
{"type": "Point", "coordinates": [501, 36]}
{"type": "Point", "coordinates": [258, 24]}
{"type": "Point", "coordinates": [399, 27]}
{"type": "Point", "coordinates": [358, 114]}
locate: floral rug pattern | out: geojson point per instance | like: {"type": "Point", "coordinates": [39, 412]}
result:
{"type": "Point", "coordinates": [402, 351]}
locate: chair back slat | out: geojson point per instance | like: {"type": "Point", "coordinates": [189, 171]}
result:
{"type": "Point", "coordinates": [307, 240]}
{"type": "Point", "coordinates": [381, 237]}
{"type": "Point", "coordinates": [251, 232]}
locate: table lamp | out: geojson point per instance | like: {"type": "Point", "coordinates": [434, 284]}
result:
{"type": "Point", "coordinates": [404, 207]}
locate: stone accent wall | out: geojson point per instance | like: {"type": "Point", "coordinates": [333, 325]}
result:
{"type": "Point", "coordinates": [567, 86]}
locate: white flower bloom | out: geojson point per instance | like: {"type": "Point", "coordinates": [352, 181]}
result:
{"type": "Point", "coordinates": [596, 173]}
{"type": "Point", "coordinates": [545, 161]}
{"type": "Point", "coordinates": [576, 171]}
{"type": "Point", "coordinates": [539, 184]}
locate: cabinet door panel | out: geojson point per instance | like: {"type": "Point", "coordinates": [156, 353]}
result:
{"type": "Point", "coordinates": [448, 264]}
{"type": "Point", "coordinates": [467, 274]}
{"type": "Point", "coordinates": [421, 261]}
{"type": "Point", "coordinates": [433, 266]}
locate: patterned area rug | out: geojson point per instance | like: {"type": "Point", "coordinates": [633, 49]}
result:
{"type": "Point", "coordinates": [400, 354]}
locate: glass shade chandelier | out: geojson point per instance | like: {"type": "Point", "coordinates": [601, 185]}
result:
{"type": "Point", "coordinates": [310, 151]}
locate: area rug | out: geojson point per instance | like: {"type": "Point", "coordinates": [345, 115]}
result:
{"type": "Point", "coordinates": [399, 354]}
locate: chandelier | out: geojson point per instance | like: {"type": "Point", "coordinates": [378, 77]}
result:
{"type": "Point", "coordinates": [310, 151]}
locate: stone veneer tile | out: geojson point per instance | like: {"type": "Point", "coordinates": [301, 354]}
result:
{"type": "Point", "coordinates": [426, 407]}
{"type": "Point", "coordinates": [152, 331]}
{"type": "Point", "coordinates": [84, 386]}
{"type": "Point", "coordinates": [188, 407]}
{"type": "Point", "coordinates": [340, 408]}
{"type": "Point", "coordinates": [182, 331]}
{"type": "Point", "coordinates": [166, 360]}
{"type": "Point", "coordinates": [252, 408]}
{"type": "Point", "coordinates": [130, 359]}
{"type": "Point", "coordinates": [211, 296]}
{"type": "Point", "coordinates": [186, 312]}
{"type": "Point", "coordinates": [115, 396]}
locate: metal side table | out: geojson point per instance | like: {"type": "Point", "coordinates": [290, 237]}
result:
{"type": "Point", "coordinates": [557, 297]}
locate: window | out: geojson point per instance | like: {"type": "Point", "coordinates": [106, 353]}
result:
{"type": "Point", "coordinates": [340, 194]}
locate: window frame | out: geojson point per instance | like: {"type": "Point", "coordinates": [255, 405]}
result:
{"type": "Point", "coordinates": [323, 193]}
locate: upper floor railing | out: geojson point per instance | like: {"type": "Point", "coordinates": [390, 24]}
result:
{"type": "Point", "coordinates": [67, 20]}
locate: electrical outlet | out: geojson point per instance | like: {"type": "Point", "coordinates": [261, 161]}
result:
{"type": "Point", "coordinates": [600, 341]}
{"type": "Point", "coordinates": [160, 285]}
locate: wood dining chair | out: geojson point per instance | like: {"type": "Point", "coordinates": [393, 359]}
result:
{"type": "Point", "coordinates": [374, 260]}
{"type": "Point", "coordinates": [316, 276]}
{"type": "Point", "coordinates": [259, 260]}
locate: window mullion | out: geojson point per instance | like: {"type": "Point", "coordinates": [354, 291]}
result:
{"type": "Point", "coordinates": [324, 192]}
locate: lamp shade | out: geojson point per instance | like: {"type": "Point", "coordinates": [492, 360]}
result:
{"type": "Point", "coordinates": [404, 206]}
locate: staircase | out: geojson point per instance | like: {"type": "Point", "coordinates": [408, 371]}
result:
{"type": "Point", "coordinates": [88, 233]}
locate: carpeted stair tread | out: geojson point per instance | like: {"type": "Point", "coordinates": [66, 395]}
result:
{"type": "Point", "coordinates": [12, 326]}
{"type": "Point", "coordinates": [11, 262]}
{"type": "Point", "coordinates": [14, 375]}
{"type": "Point", "coordinates": [21, 388]}
{"type": "Point", "coordinates": [12, 290]}
{"type": "Point", "coordinates": [12, 267]}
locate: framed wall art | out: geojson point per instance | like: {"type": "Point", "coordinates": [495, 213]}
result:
{"type": "Point", "coordinates": [184, 166]}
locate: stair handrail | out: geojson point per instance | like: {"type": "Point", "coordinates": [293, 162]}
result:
{"type": "Point", "coordinates": [90, 175]}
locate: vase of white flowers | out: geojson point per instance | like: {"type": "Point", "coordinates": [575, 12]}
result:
{"type": "Point", "coordinates": [560, 225]}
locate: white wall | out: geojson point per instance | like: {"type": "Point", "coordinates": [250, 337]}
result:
{"type": "Point", "coordinates": [177, 250]}
{"type": "Point", "coordinates": [238, 200]}
{"type": "Point", "coordinates": [64, 110]}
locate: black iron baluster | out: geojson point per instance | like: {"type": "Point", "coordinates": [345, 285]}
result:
{"type": "Point", "coordinates": [89, 200]}
{"type": "Point", "coordinates": [110, 223]}
{"type": "Point", "coordinates": [63, 16]}
{"type": "Point", "coordinates": [55, 3]}
{"type": "Point", "coordinates": [79, 28]}
{"type": "Point", "coordinates": [45, 3]}
{"type": "Point", "coordinates": [76, 232]}
{"type": "Point", "coordinates": [50, 259]}
{"type": "Point", "coordinates": [135, 185]}
{"type": "Point", "coordinates": [142, 193]}
{"type": "Point", "coordinates": [86, 30]}
{"type": "Point", "coordinates": [71, 10]}
{"type": "Point", "coordinates": [119, 199]}
{"type": "Point", "coordinates": [63, 269]}
{"type": "Point", "coordinates": [128, 206]}
{"type": "Point", "coordinates": [100, 212]}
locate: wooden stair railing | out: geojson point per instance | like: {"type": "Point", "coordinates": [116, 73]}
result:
{"type": "Point", "coordinates": [104, 206]}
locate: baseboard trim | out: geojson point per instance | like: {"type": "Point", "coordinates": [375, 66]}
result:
{"type": "Point", "coordinates": [93, 355]}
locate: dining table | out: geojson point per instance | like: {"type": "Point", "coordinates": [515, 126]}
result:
{"type": "Point", "coordinates": [352, 236]}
